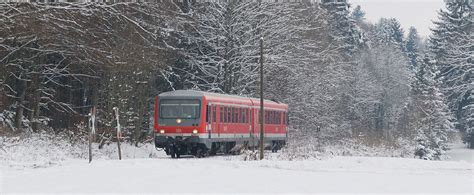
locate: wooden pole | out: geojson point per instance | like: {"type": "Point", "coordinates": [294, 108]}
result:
{"type": "Point", "coordinates": [119, 133]}
{"type": "Point", "coordinates": [262, 121]}
{"type": "Point", "coordinates": [91, 131]}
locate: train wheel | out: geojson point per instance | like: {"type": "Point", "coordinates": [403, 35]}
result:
{"type": "Point", "coordinates": [202, 151]}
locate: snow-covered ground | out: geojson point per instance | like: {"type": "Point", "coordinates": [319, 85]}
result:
{"type": "Point", "coordinates": [48, 164]}
{"type": "Point", "coordinates": [458, 152]}
{"type": "Point", "coordinates": [224, 174]}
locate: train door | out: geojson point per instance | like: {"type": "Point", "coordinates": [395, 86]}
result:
{"type": "Point", "coordinates": [256, 126]}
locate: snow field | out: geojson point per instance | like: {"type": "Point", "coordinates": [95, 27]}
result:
{"type": "Point", "coordinates": [47, 164]}
{"type": "Point", "coordinates": [223, 175]}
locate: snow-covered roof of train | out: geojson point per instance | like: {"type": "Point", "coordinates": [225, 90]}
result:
{"type": "Point", "coordinates": [194, 93]}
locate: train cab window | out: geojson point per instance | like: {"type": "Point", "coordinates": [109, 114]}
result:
{"type": "Point", "coordinates": [172, 109]}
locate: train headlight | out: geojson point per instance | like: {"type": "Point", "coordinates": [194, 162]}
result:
{"type": "Point", "coordinates": [195, 131]}
{"type": "Point", "coordinates": [178, 121]}
{"type": "Point", "coordinates": [162, 131]}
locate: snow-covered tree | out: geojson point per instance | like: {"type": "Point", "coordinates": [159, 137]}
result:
{"type": "Point", "coordinates": [451, 45]}
{"type": "Point", "coordinates": [390, 31]}
{"type": "Point", "coordinates": [358, 14]}
{"type": "Point", "coordinates": [413, 46]}
{"type": "Point", "coordinates": [220, 46]}
{"type": "Point", "coordinates": [343, 26]}
{"type": "Point", "coordinates": [59, 58]}
{"type": "Point", "coordinates": [434, 119]}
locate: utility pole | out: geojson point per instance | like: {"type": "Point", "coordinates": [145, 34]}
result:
{"type": "Point", "coordinates": [262, 121]}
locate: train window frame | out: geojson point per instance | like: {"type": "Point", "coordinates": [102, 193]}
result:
{"type": "Point", "coordinates": [198, 113]}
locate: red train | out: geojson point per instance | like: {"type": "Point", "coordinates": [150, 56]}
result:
{"type": "Point", "coordinates": [200, 123]}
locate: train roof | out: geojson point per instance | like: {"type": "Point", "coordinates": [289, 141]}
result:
{"type": "Point", "coordinates": [194, 93]}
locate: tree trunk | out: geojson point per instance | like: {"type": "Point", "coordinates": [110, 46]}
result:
{"type": "Point", "coordinates": [20, 102]}
{"type": "Point", "coordinates": [141, 113]}
{"type": "Point", "coordinates": [35, 103]}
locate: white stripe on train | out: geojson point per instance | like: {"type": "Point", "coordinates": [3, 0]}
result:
{"type": "Point", "coordinates": [215, 135]}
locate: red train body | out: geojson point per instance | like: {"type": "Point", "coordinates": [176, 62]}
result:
{"type": "Point", "coordinates": [201, 123]}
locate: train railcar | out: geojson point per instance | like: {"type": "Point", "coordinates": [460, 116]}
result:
{"type": "Point", "coordinates": [199, 123]}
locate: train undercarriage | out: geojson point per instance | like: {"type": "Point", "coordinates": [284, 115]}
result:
{"type": "Point", "coordinates": [177, 146]}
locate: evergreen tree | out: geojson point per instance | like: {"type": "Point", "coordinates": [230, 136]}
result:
{"type": "Point", "coordinates": [434, 118]}
{"type": "Point", "coordinates": [344, 28]}
{"type": "Point", "coordinates": [452, 46]}
{"type": "Point", "coordinates": [390, 31]}
{"type": "Point", "coordinates": [358, 14]}
{"type": "Point", "coordinates": [412, 46]}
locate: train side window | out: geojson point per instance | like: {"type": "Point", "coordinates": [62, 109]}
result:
{"type": "Point", "coordinates": [214, 112]}
{"type": "Point", "coordinates": [273, 117]}
{"type": "Point", "coordinates": [269, 117]}
{"type": "Point", "coordinates": [236, 117]}
{"type": "Point", "coordinates": [279, 117]}
{"type": "Point", "coordinates": [225, 115]}
{"type": "Point", "coordinates": [242, 115]}
{"type": "Point", "coordinates": [265, 116]}
{"type": "Point", "coordinates": [221, 114]}
{"type": "Point", "coordinates": [247, 112]}
{"type": "Point", "coordinates": [229, 115]}
{"type": "Point", "coordinates": [233, 114]}
{"type": "Point", "coordinates": [227, 111]}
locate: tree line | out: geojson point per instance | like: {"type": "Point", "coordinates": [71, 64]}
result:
{"type": "Point", "coordinates": [340, 74]}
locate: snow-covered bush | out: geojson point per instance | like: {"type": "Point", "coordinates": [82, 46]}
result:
{"type": "Point", "coordinates": [46, 149]}
{"type": "Point", "coordinates": [6, 118]}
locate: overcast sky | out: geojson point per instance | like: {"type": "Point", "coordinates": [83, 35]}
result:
{"type": "Point", "coordinates": [417, 13]}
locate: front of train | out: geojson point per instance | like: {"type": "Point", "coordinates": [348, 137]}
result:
{"type": "Point", "coordinates": [180, 123]}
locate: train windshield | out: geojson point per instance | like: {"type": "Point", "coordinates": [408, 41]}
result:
{"type": "Point", "coordinates": [180, 109]}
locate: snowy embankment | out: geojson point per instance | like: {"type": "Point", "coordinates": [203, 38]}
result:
{"type": "Point", "coordinates": [46, 165]}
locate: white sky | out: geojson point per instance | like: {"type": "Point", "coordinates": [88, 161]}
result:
{"type": "Point", "coordinates": [417, 13]}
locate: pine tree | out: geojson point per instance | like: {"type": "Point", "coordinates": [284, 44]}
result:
{"type": "Point", "coordinates": [412, 46]}
{"type": "Point", "coordinates": [435, 120]}
{"type": "Point", "coordinates": [452, 46]}
{"type": "Point", "coordinates": [344, 28]}
{"type": "Point", "coordinates": [390, 31]}
{"type": "Point", "coordinates": [358, 14]}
